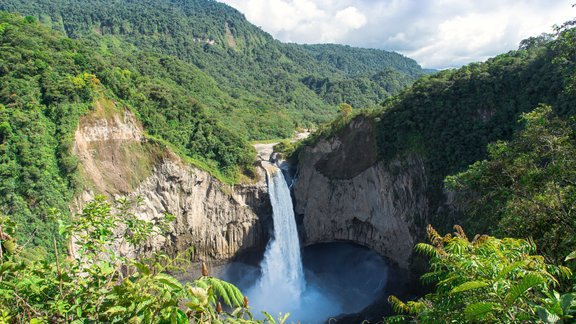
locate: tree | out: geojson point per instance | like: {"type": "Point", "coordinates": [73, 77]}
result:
{"type": "Point", "coordinates": [527, 188]}
{"type": "Point", "coordinates": [345, 109]}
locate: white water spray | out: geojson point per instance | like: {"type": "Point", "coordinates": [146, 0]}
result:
{"type": "Point", "coordinates": [282, 282]}
{"type": "Point", "coordinates": [282, 288]}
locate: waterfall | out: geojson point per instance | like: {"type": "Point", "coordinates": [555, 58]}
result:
{"type": "Point", "coordinates": [282, 281]}
{"type": "Point", "coordinates": [281, 286]}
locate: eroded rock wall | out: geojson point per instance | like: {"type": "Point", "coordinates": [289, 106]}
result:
{"type": "Point", "coordinates": [218, 220]}
{"type": "Point", "coordinates": [344, 193]}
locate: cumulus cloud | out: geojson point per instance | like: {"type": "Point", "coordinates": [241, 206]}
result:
{"type": "Point", "coordinates": [437, 33]}
{"type": "Point", "coordinates": [303, 21]}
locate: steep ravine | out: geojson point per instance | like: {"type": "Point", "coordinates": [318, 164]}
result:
{"type": "Point", "coordinates": [220, 221]}
{"type": "Point", "coordinates": [344, 193]}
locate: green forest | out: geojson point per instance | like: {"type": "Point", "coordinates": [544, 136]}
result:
{"type": "Point", "coordinates": [259, 86]}
{"type": "Point", "coordinates": [500, 135]}
{"type": "Point", "coordinates": [62, 56]}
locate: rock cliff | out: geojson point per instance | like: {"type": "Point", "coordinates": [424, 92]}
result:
{"type": "Point", "coordinates": [218, 220]}
{"type": "Point", "coordinates": [344, 193]}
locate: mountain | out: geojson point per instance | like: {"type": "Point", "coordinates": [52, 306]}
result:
{"type": "Point", "coordinates": [49, 82]}
{"type": "Point", "coordinates": [369, 176]}
{"type": "Point", "coordinates": [200, 78]}
{"type": "Point", "coordinates": [258, 86]}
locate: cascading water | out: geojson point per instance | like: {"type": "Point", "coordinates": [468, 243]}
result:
{"type": "Point", "coordinates": [333, 280]}
{"type": "Point", "coordinates": [282, 282]}
{"type": "Point", "coordinates": [282, 287]}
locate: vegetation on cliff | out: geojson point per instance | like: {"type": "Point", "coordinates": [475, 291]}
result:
{"type": "Point", "coordinates": [47, 82]}
{"type": "Point", "coordinates": [450, 117]}
{"type": "Point", "coordinates": [526, 188]}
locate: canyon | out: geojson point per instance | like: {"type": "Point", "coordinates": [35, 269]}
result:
{"type": "Point", "coordinates": [218, 220]}
{"type": "Point", "coordinates": [342, 192]}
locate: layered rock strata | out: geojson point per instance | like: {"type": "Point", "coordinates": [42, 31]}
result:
{"type": "Point", "coordinates": [219, 221]}
{"type": "Point", "coordinates": [344, 193]}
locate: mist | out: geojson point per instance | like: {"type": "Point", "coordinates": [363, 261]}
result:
{"type": "Point", "coordinates": [341, 278]}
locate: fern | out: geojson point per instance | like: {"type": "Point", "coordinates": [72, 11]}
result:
{"type": "Point", "coordinates": [529, 281]}
{"type": "Point", "coordinates": [431, 277]}
{"type": "Point", "coordinates": [479, 310]}
{"type": "Point", "coordinates": [470, 285]}
{"type": "Point", "coordinates": [230, 294]}
{"type": "Point", "coordinates": [507, 269]}
{"type": "Point", "coordinates": [433, 236]}
{"type": "Point", "coordinates": [397, 305]}
{"type": "Point", "coordinates": [169, 281]}
{"type": "Point", "coordinates": [460, 232]}
{"type": "Point", "coordinates": [427, 249]}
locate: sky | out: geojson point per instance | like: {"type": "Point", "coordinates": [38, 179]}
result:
{"type": "Point", "coordinates": [438, 34]}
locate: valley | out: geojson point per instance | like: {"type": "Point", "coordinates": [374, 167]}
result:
{"type": "Point", "coordinates": [140, 151]}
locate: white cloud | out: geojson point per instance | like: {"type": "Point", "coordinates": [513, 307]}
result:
{"type": "Point", "coordinates": [437, 33]}
{"type": "Point", "coordinates": [303, 21]}
{"type": "Point", "coordinates": [351, 18]}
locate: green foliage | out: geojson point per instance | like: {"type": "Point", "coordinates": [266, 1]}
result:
{"type": "Point", "coordinates": [252, 82]}
{"type": "Point", "coordinates": [345, 109]}
{"type": "Point", "coordinates": [487, 280]}
{"type": "Point", "coordinates": [527, 186]}
{"type": "Point", "coordinates": [48, 82]}
{"type": "Point", "coordinates": [98, 284]}
{"type": "Point", "coordinates": [200, 78]}
{"type": "Point", "coordinates": [41, 98]}
{"type": "Point", "coordinates": [449, 118]}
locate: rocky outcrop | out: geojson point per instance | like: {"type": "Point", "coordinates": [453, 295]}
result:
{"type": "Point", "coordinates": [344, 193]}
{"type": "Point", "coordinates": [219, 221]}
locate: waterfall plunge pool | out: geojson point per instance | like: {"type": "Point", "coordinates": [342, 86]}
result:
{"type": "Point", "coordinates": [313, 284]}
{"type": "Point", "coordinates": [341, 278]}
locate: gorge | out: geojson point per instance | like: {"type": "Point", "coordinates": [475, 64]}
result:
{"type": "Point", "coordinates": [163, 109]}
{"type": "Point", "coordinates": [329, 281]}
{"type": "Point", "coordinates": [225, 223]}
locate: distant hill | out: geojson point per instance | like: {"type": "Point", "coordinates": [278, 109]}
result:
{"type": "Point", "coordinates": [260, 86]}
{"type": "Point", "coordinates": [448, 118]}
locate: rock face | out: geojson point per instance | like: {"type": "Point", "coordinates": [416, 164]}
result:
{"type": "Point", "coordinates": [343, 193]}
{"type": "Point", "coordinates": [218, 220]}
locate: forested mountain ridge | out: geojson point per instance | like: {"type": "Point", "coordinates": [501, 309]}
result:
{"type": "Point", "coordinates": [48, 82]}
{"type": "Point", "coordinates": [360, 61]}
{"type": "Point", "coordinates": [525, 98]}
{"type": "Point", "coordinates": [266, 87]}
{"type": "Point", "coordinates": [184, 68]}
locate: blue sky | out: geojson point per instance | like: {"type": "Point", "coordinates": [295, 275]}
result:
{"type": "Point", "coordinates": [437, 33]}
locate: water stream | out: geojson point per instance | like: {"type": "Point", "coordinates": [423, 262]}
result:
{"type": "Point", "coordinates": [282, 282]}
{"type": "Point", "coordinates": [335, 280]}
